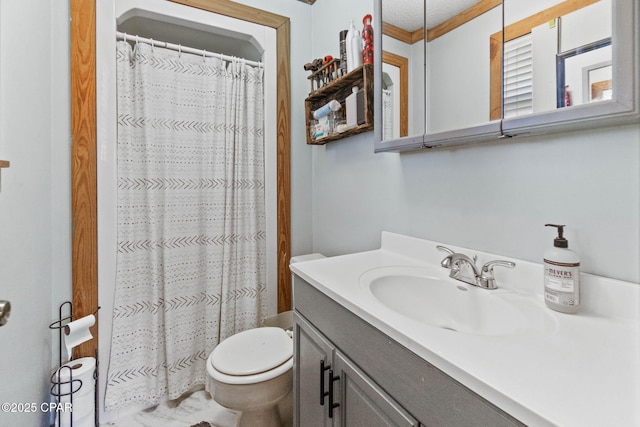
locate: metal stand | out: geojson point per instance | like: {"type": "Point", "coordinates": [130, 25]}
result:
{"type": "Point", "coordinates": [67, 387]}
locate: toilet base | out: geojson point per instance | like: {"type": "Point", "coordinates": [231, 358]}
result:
{"type": "Point", "coordinates": [279, 415]}
{"type": "Point", "coordinates": [268, 417]}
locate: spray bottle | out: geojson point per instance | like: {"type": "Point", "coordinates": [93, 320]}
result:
{"type": "Point", "coordinates": [354, 48]}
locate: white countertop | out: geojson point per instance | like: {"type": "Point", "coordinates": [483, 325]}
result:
{"type": "Point", "coordinates": [585, 371]}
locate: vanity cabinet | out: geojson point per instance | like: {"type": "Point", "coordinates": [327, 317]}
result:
{"type": "Point", "coordinates": [369, 378]}
{"type": "Point", "coordinates": [332, 391]}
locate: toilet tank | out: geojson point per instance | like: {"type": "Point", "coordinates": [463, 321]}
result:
{"type": "Point", "coordinates": [284, 320]}
{"type": "Point", "coordinates": [308, 257]}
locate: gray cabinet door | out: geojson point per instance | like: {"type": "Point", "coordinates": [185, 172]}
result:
{"type": "Point", "coordinates": [312, 353]}
{"type": "Point", "coordinates": [362, 403]}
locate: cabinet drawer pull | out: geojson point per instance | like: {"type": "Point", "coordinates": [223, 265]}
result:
{"type": "Point", "coordinates": [332, 404]}
{"type": "Point", "coordinates": [323, 393]}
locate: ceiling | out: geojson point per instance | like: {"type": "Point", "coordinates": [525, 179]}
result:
{"type": "Point", "coordinates": [408, 14]}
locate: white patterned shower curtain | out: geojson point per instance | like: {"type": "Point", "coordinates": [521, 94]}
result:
{"type": "Point", "coordinates": [191, 218]}
{"type": "Point", "coordinates": [387, 114]}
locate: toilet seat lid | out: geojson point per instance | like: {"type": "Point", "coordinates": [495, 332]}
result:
{"type": "Point", "coordinates": [253, 351]}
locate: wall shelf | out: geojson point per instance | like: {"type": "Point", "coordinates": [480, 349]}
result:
{"type": "Point", "coordinates": [339, 90]}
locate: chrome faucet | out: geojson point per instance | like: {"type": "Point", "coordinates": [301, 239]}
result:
{"type": "Point", "coordinates": [464, 269]}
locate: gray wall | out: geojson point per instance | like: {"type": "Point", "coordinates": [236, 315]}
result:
{"type": "Point", "coordinates": [495, 198]}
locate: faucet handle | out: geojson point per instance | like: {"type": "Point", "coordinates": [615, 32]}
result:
{"type": "Point", "coordinates": [444, 249]}
{"type": "Point", "coordinates": [446, 262]}
{"type": "Point", "coordinates": [487, 280]}
{"type": "Point", "coordinates": [488, 267]}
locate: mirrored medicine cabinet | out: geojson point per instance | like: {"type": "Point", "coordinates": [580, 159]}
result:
{"type": "Point", "coordinates": [481, 70]}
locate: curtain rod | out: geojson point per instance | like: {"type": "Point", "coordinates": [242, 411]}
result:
{"type": "Point", "coordinates": [179, 48]}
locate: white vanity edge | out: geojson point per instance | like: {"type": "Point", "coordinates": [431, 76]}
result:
{"type": "Point", "coordinates": [586, 373]}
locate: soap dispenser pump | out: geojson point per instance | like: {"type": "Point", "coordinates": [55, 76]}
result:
{"type": "Point", "coordinates": [561, 275]}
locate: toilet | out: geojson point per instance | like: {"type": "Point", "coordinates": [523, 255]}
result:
{"type": "Point", "coordinates": [252, 372]}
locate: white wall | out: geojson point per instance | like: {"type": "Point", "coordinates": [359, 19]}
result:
{"type": "Point", "coordinates": [35, 195]}
{"type": "Point", "coordinates": [495, 198]}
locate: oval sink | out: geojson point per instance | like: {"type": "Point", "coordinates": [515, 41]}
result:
{"type": "Point", "coordinates": [426, 296]}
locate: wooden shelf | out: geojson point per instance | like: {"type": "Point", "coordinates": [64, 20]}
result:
{"type": "Point", "coordinates": [4, 163]}
{"type": "Point", "coordinates": [353, 131]}
{"type": "Point", "coordinates": [339, 90]}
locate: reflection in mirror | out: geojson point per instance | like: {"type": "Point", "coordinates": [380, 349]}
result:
{"type": "Point", "coordinates": [458, 62]}
{"type": "Point", "coordinates": [584, 74]}
{"type": "Point", "coordinates": [395, 96]}
{"type": "Point", "coordinates": [402, 69]}
{"type": "Point", "coordinates": [557, 54]}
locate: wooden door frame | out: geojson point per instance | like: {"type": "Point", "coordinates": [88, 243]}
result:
{"type": "Point", "coordinates": [403, 65]}
{"type": "Point", "coordinates": [84, 150]}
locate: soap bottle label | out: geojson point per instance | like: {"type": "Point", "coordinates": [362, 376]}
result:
{"type": "Point", "coordinates": [561, 285]}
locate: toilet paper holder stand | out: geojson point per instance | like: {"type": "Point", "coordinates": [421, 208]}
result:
{"type": "Point", "coordinates": [61, 387]}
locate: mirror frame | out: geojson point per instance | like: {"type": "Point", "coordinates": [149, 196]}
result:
{"type": "Point", "coordinates": [623, 109]}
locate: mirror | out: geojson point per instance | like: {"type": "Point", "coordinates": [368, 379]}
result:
{"type": "Point", "coordinates": [459, 56]}
{"type": "Point", "coordinates": [567, 65]}
{"type": "Point", "coordinates": [555, 53]}
{"type": "Point", "coordinates": [456, 77]}
{"type": "Point", "coordinates": [400, 108]}
{"type": "Point", "coordinates": [585, 56]}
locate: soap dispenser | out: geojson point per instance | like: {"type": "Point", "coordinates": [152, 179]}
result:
{"type": "Point", "coordinates": [561, 275]}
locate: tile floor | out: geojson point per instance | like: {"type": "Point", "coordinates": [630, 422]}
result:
{"type": "Point", "coordinates": [184, 412]}
{"type": "Point", "coordinates": [194, 410]}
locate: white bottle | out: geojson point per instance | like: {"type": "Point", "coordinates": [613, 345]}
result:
{"type": "Point", "coordinates": [326, 109]}
{"type": "Point", "coordinates": [351, 104]}
{"type": "Point", "coordinates": [354, 48]}
{"type": "Point", "coordinates": [561, 275]}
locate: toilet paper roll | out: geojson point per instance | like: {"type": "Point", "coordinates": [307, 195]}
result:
{"type": "Point", "coordinates": [83, 385]}
{"type": "Point", "coordinates": [86, 421]}
{"type": "Point", "coordinates": [77, 332]}
{"type": "Point", "coordinates": [65, 420]}
{"type": "Point", "coordinates": [82, 371]}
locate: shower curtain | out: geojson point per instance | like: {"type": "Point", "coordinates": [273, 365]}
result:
{"type": "Point", "coordinates": [191, 218]}
{"type": "Point", "coordinates": [387, 114]}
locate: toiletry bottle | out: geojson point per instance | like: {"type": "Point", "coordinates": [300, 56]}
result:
{"type": "Point", "coordinates": [367, 37]}
{"type": "Point", "coordinates": [343, 52]}
{"type": "Point", "coordinates": [354, 48]}
{"type": "Point", "coordinates": [326, 109]}
{"type": "Point", "coordinates": [351, 104]}
{"type": "Point", "coordinates": [561, 275]}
